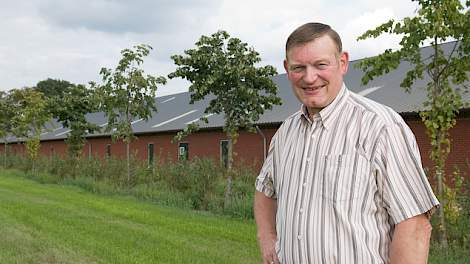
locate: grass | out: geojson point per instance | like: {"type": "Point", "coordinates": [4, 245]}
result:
{"type": "Point", "coordinates": [197, 184]}
{"type": "Point", "coordinates": [452, 255]}
{"type": "Point", "coordinates": [43, 223]}
{"type": "Point", "coordinates": [54, 223]}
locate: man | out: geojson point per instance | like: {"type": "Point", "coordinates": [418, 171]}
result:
{"type": "Point", "coordinates": [343, 181]}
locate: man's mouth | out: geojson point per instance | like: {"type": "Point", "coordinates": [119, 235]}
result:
{"type": "Point", "coordinates": [313, 88]}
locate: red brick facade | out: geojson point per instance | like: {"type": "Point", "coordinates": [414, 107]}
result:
{"type": "Point", "coordinates": [206, 143]}
{"type": "Point", "coordinates": [249, 147]}
{"type": "Point", "coordinates": [460, 145]}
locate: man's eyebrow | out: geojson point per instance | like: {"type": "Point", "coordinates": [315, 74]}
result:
{"type": "Point", "coordinates": [294, 65]}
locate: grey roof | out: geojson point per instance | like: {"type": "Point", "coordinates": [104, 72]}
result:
{"type": "Point", "coordinates": [175, 112]}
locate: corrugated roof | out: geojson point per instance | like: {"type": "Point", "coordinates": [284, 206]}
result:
{"type": "Point", "coordinates": [175, 112]}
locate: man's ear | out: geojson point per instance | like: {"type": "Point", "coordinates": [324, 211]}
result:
{"type": "Point", "coordinates": [286, 66]}
{"type": "Point", "coordinates": [344, 62]}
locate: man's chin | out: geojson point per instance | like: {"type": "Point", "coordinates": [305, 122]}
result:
{"type": "Point", "coordinates": [315, 105]}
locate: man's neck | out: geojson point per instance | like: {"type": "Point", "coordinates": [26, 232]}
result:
{"type": "Point", "coordinates": [312, 112]}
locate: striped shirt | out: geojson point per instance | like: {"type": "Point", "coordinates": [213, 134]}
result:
{"type": "Point", "coordinates": [342, 181]}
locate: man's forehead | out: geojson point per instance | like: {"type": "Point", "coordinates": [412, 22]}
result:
{"type": "Point", "coordinates": [296, 56]}
{"type": "Point", "coordinates": [323, 41]}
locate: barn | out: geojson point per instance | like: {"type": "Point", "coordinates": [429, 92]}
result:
{"type": "Point", "coordinates": [155, 137]}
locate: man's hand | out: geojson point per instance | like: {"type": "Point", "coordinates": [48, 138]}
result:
{"type": "Point", "coordinates": [267, 244]}
{"type": "Point", "coordinates": [265, 216]}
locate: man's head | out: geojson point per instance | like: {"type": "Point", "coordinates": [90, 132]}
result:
{"type": "Point", "coordinates": [315, 65]}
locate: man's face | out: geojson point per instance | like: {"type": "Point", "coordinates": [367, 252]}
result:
{"type": "Point", "coordinates": [316, 71]}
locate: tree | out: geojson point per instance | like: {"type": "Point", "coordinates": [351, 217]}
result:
{"type": "Point", "coordinates": [128, 94]}
{"type": "Point", "coordinates": [29, 120]}
{"type": "Point", "coordinates": [224, 69]}
{"type": "Point", "coordinates": [53, 87]}
{"type": "Point", "coordinates": [70, 109]}
{"type": "Point", "coordinates": [6, 126]}
{"type": "Point", "coordinates": [436, 22]}
{"type": "Point", "coordinates": [69, 103]}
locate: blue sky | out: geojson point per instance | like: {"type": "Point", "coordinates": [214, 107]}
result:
{"type": "Point", "coordinates": [72, 40]}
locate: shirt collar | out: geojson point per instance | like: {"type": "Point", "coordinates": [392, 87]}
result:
{"type": "Point", "coordinates": [328, 115]}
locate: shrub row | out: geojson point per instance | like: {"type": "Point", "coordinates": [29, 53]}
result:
{"type": "Point", "coordinates": [197, 184]}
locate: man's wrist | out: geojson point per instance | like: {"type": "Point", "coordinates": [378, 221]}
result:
{"type": "Point", "coordinates": [266, 234]}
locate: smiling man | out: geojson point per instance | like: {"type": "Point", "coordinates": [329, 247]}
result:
{"type": "Point", "coordinates": [343, 181]}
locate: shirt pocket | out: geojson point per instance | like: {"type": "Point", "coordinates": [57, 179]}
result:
{"type": "Point", "coordinates": [345, 176]}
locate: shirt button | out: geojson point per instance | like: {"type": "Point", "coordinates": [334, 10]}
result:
{"type": "Point", "coordinates": [304, 184]}
{"type": "Point", "coordinates": [301, 210]}
{"type": "Point", "coordinates": [299, 237]}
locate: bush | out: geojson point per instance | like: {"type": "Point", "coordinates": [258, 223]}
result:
{"type": "Point", "coordinates": [197, 184]}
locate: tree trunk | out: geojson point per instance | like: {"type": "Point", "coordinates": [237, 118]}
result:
{"type": "Point", "coordinates": [439, 155]}
{"type": "Point", "coordinates": [228, 189]}
{"type": "Point", "coordinates": [441, 216]}
{"type": "Point", "coordinates": [5, 155]}
{"type": "Point", "coordinates": [33, 167]}
{"type": "Point", "coordinates": [440, 189]}
{"type": "Point", "coordinates": [128, 156]}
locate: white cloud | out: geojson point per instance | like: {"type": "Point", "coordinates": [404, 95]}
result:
{"type": "Point", "coordinates": [360, 25]}
{"type": "Point", "coordinates": [72, 40]}
{"type": "Point", "coordinates": [121, 16]}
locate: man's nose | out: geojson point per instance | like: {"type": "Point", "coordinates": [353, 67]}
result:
{"type": "Point", "coordinates": [311, 75]}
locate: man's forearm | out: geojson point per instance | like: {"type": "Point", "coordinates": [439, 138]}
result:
{"type": "Point", "coordinates": [410, 242]}
{"type": "Point", "coordinates": [265, 214]}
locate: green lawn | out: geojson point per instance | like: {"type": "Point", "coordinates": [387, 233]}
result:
{"type": "Point", "coordinates": [62, 224]}
{"type": "Point", "coordinates": [42, 223]}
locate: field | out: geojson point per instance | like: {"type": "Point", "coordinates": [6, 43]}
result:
{"type": "Point", "coordinates": [41, 223]}
{"type": "Point", "coordinates": [54, 223]}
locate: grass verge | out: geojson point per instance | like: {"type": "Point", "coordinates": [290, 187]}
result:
{"type": "Point", "coordinates": [42, 223]}
{"type": "Point", "coordinates": [50, 223]}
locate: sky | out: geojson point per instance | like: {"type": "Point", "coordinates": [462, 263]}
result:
{"type": "Point", "coordinates": [72, 40]}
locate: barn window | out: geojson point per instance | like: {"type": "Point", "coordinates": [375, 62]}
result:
{"type": "Point", "coordinates": [150, 154]}
{"type": "Point", "coordinates": [90, 153]}
{"type": "Point", "coordinates": [108, 150]}
{"type": "Point", "coordinates": [224, 153]}
{"type": "Point", "coordinates": [183, 151]}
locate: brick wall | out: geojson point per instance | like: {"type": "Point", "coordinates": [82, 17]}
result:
{"type": "Point", "coordinates": [460, 145]}
{"type": "Point", "coordinates": [249, 147]}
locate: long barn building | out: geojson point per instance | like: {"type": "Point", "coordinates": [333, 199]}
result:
{"type": "Point", "coordinates": [154, 137]}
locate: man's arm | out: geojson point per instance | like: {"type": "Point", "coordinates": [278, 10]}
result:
{"type": "Point", "coordinates": [265, 216]}
{"type": "Point", "coordinates": [410, 242]}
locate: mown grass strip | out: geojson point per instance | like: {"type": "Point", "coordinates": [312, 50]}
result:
{"type": "Point", "coordinates": [64, 224]}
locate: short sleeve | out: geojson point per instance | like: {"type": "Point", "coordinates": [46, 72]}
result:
{"type": "Point", "coordinates": [264, 181]}
{"type": "Point", "coordinates": [404, 186]}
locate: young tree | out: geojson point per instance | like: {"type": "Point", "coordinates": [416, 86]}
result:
{"type": "Point", "coordinates": [52, 87]}
{"type": "Point", "coordinates": [6, 126]}
{"type": "Point", "coordinates": [128, 94]}
{"type": "Point", "coordinates": [29, 119]}
{"type": "Point", "coordinates": [436, 22]}
{"type": "Point", "coordinates": [70, 109]}
{"type": "Point", "coordinates": [224, 69]}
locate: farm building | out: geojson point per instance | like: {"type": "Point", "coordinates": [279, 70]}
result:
{"type": "Point", "coordinates": [154, 142]}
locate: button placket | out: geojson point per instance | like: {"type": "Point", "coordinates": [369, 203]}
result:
{"type": "Point", "coordinates": [303, 180]}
